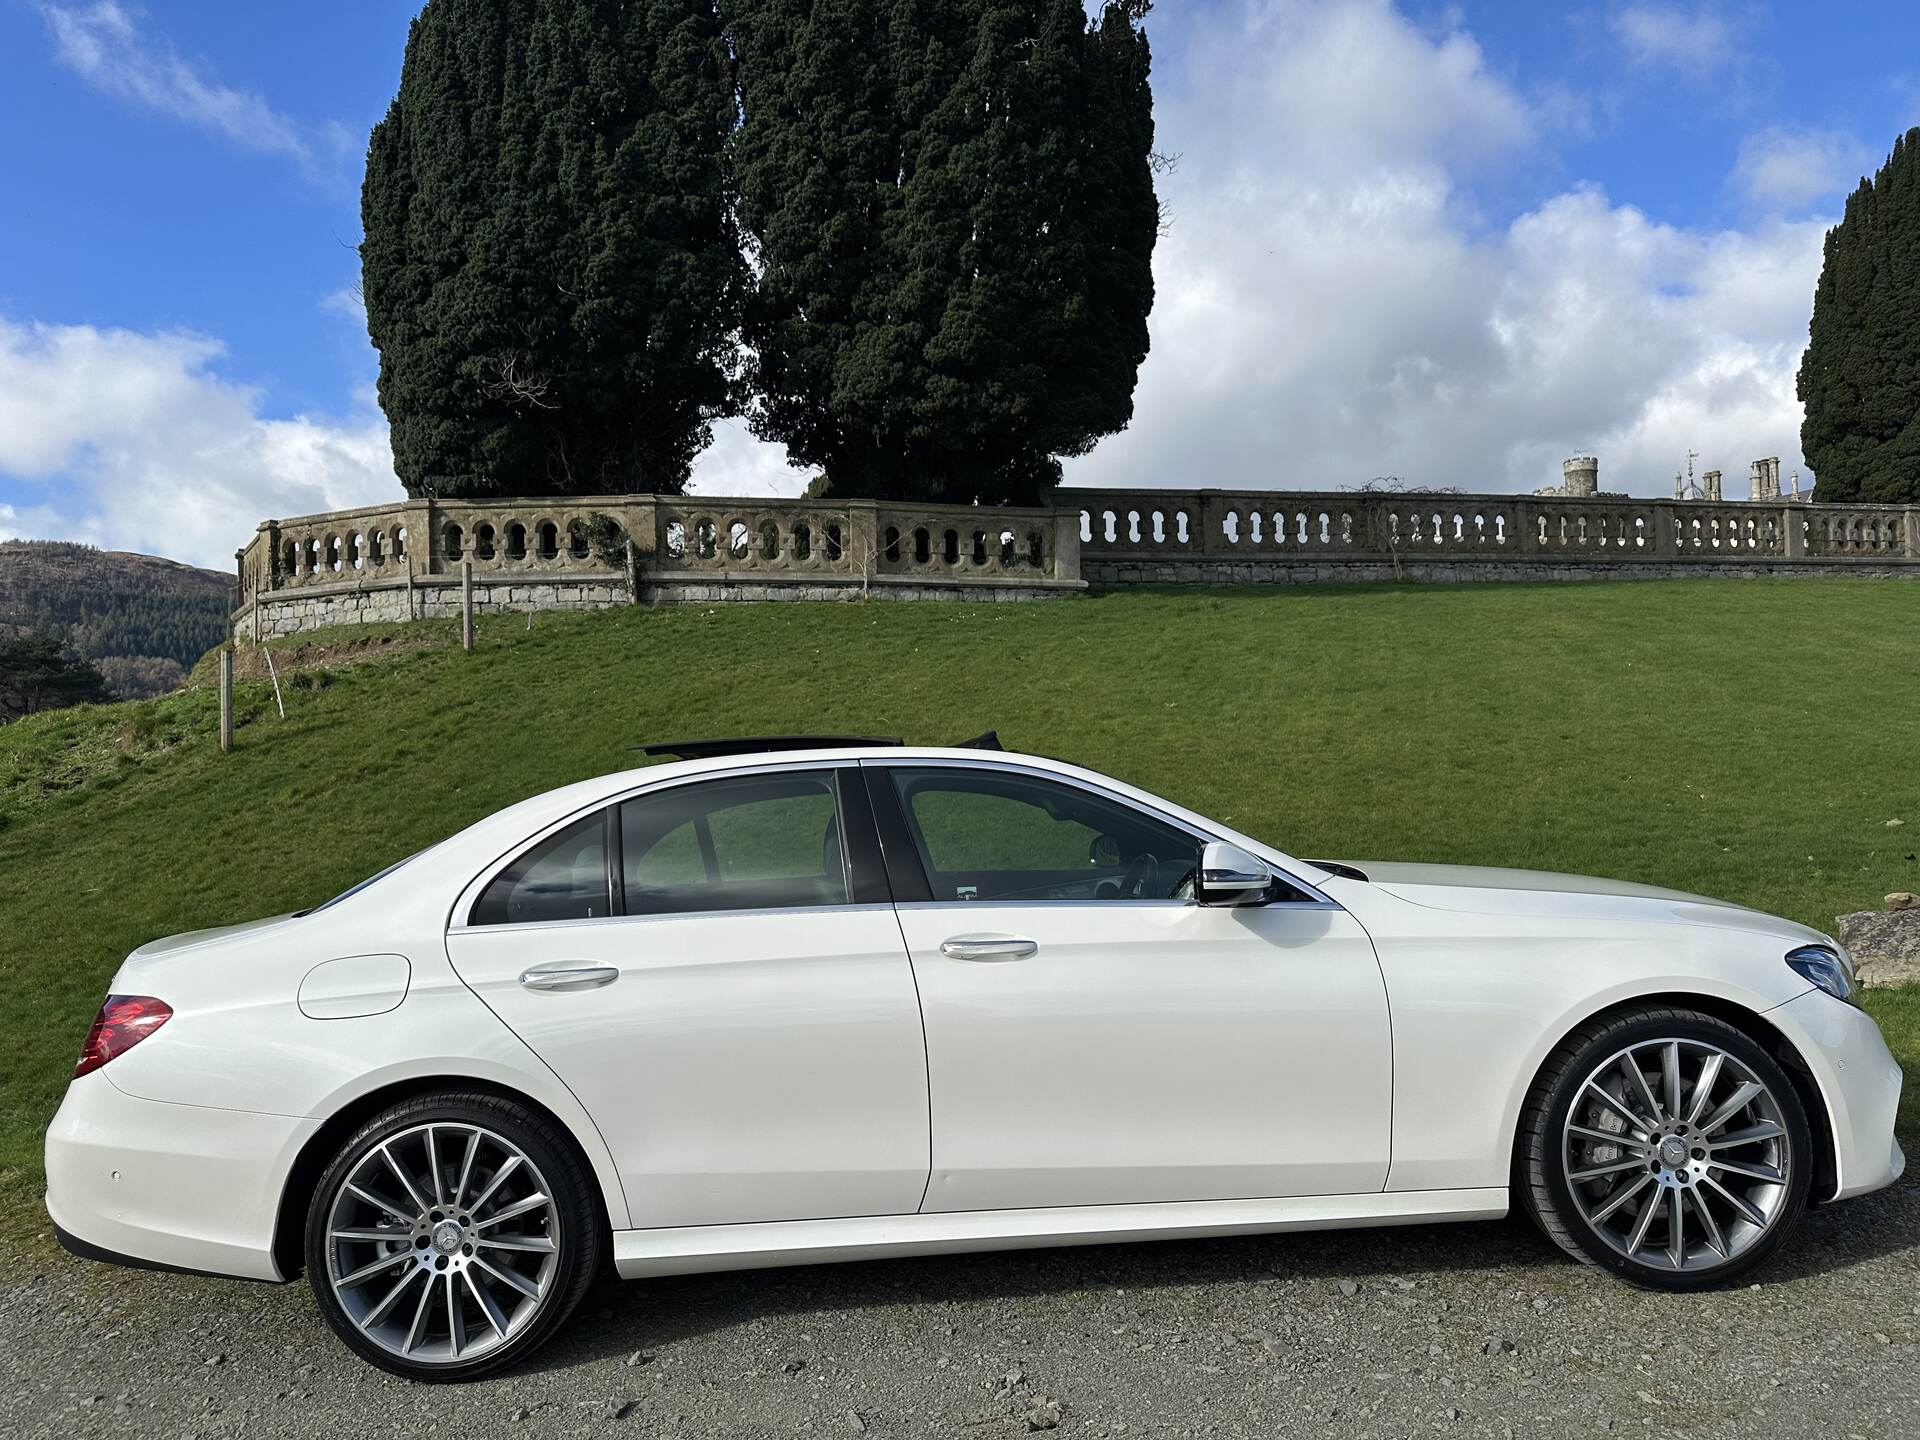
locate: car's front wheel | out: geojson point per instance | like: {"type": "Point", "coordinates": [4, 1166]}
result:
{"type": "Point", "coordinates": [451, 1236]}
{"type": "Point", "coordinates": [1665, 1145]}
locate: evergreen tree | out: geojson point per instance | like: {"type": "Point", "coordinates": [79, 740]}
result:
{"type": "Point", "coordinates": [38, 672]}
{"type": "Point", "coordinates": [1860, 376]}
{"type": "Point", "coordinates": [551, 272]}
{"type": "Point", "coordinates": [952, 206]}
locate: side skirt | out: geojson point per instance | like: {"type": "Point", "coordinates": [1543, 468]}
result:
{"type": "Point", "coordinates": [686, 1250]}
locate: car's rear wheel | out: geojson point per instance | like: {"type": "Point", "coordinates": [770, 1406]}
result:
{"type": "Point", "coordinates": [1666, 1146]}
{"type": "Point", "coordinates": [451, 1236]}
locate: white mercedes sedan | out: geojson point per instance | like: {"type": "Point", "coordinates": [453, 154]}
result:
{"type": "Point", "coordinates": [808, 999]}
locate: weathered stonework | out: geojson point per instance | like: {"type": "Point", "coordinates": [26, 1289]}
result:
{"type": "Point", "coordinates": [408, 561]}
{"type": "Point", "coordinates": [388, 602]}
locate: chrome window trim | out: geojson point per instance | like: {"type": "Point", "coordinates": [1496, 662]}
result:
{"type": "Point", "coordinates": [458, 917]}
{"type": "Point", "coordinates": [1134, 904]}
{"type": "Point", "coordinates": [1319, 899]}
{"type": "Point", "coordinates": [525, 926]}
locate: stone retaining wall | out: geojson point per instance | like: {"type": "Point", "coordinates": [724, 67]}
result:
{"type": "Point", "coordinates": [389, 601]}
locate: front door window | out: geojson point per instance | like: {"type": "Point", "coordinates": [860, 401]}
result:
{"type": "Point", "coordinates": [984, 836]}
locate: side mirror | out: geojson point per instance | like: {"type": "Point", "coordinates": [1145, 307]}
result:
{"type": "Point", "coordinates": [1230, 876]}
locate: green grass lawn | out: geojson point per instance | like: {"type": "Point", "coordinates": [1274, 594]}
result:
{"type": "Point", "coordinates": [1743, 739]}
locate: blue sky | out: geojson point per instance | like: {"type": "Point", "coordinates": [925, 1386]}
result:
{"type": "Point", "coordinates": [1449, 243]}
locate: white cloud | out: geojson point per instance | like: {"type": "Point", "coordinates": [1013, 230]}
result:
{"type": "Point", "coordinates": [1790, 169]}
{"type": "Point", "coordinates": [738, 464]}
{"type": "Point", "coordinates": [1332, 308]}
{"type": "Point", "coordinates": [1696, 40]}
{"type": "Point", "coordinates": [347, 303]}
{"type": "Point", "coordinates": [133, 441]}
{"type": "Point", "coordinates": [104, 45]}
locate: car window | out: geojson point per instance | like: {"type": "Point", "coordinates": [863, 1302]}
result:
{"type": "Point", "coordinates": [563, 878]}
{"type": "Point", "coordinates": [747, 843]}
{"type": "Point", "coordinates": [988, 836]}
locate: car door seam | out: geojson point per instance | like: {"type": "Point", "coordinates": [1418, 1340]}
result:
{"type": "Point", "coordinates": [626, 1201]}
{"type": "Point", "coordinates": [1393, 1053]}
{"type": "Point", "coordinates": [926, 1055]}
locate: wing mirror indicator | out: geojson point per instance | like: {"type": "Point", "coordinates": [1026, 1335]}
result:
{"type": "Point", "coordinates": [1231, 876]}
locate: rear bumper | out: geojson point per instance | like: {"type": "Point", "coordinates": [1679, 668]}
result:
{"type": "Point", "coordinates": [169, 1187]}
{"type": "Point", "coordinates": [1860, 1081]}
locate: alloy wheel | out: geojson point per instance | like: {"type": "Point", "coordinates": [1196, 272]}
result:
{"type": "Point", "coordinates": [1677, 1155]}
{"type": "Point", "coordinates": [442, 1243]}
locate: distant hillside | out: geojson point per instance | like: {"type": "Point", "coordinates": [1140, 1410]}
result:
{"type": "Point", "coordinates": [142, 620]}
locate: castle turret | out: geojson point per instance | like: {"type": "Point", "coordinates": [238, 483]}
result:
{"type": "Point", "coordinates": [1581, 475]}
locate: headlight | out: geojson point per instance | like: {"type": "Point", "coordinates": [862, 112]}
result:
{"type": "Point", "coordinates": [1827, 967]}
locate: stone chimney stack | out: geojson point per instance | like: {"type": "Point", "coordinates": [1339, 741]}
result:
{"type": "Point", "coordinates": [1766, 478]}
{"type": "Point", "coordinates": [1581, 475]}
{"type": "Point", "coordinates": [1710, 485]}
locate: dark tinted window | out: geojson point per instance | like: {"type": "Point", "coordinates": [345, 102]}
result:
{"type": "Point", "coordinates": [564, 878]}
{"type": "Point", "coordinates": [749, 843]}
{"type": "Point", "coordinates": [988, 836]}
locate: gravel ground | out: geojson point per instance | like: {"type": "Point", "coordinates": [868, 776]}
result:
{"type": "Point", "coordinates": [1465, 1330]}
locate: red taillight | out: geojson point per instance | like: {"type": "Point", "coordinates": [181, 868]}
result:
{"type": "Point", "coordinates": [123, 1022]}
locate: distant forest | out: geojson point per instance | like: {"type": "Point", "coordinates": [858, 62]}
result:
{"type": "Point", "coordinates": [141, 620]}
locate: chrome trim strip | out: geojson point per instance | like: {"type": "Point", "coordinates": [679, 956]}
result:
{"type": "Point", "coordinates": [521, 927]}
{"type": "Point", "coordinates": [917, 905]}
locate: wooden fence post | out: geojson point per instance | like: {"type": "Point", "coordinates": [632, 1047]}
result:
{"type": "Point", "coordinates": [226, 699]}
{"type": "Point", "coordinates": [466, 606]}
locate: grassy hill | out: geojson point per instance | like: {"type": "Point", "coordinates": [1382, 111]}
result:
{"type": "Point", "coordinates": [141, 619]}
{"type": "Point", "coordinates": [1747, 740]}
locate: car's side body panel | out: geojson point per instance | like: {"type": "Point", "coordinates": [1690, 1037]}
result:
{"type": "Point", "coordinates": [745, 1066]}
{"type": "Point", "coordinates": [1483, 992]}
{"type": "Point", "coordinates": [1152, 1051]}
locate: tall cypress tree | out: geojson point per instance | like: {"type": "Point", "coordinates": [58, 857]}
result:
{"type": "Point", "coordinates": [1860, 376]}
{"type": "Point", "coordinates": [952, 207]}
{"type": "Point", "coordinates": [551, 270]}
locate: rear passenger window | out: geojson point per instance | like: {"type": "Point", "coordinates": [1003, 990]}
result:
{"type": "Point", "coordinates": [564, 878]}
{"type": "Point", "coordinates": [750, 843]}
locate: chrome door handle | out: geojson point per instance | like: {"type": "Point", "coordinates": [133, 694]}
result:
{"type": "Point", "coordinates": [989, 947]}
{"type": "Point", "coordinates": [569, 975]}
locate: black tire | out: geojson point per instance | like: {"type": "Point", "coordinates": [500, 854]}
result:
{"type": "Point", "coordinates": [1543, 1151]}
{"type": "Point", "coordinates": [570, 1225]}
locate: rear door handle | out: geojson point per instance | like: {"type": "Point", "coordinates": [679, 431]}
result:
{"type": "Point", "coordinates": [989, 947]}
{"type": "Point", "coordinates": [569, 975]}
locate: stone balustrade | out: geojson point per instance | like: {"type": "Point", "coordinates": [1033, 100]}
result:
{"type": "Point", "coordinates": [863, 540]}
{"type": "Point", "coordinates": [409, 560]}
{"type": "Point", "coordinates": [1223, 536]}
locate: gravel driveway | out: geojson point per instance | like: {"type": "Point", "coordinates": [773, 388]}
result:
{"type": "Point", "coordinates": [1465, 1330]}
